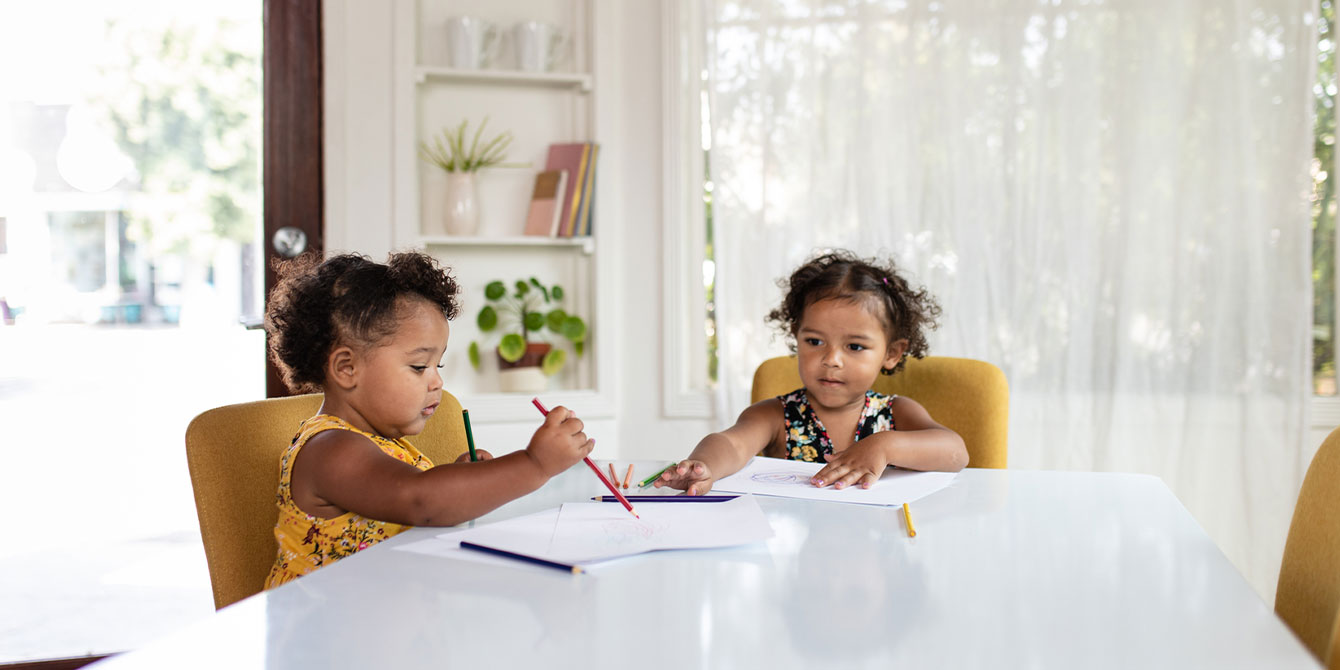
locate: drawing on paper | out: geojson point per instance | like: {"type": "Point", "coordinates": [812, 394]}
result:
{"type": "Point", "coordinates": [629, 531]}
{"type": "Point", "coordinates": [780, 477]}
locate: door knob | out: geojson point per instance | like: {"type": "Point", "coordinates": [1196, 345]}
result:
{"type": "Point", "coordinates": [289, 241]}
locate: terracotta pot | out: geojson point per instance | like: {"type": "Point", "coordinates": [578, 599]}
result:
{"type": "Point", "coordinates": [535, 352]}
{"type": "Point", "coordinates": [524, 376]}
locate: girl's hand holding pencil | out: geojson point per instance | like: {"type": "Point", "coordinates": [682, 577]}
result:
{"type": "Point", "coordinates": [609, 483]}
{"type": "Point", "coordinates": [559, 443]}
{"type": "Point", "coordinates": [692, 477]}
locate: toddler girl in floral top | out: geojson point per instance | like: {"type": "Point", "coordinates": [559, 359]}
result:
{"type": "Point", "coordinates": [850, 320]}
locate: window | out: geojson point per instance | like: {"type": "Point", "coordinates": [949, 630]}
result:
{"type": "Point", "coordinates": [1324, 209]}
{"type": "Point", "coordinates": [689, 366]}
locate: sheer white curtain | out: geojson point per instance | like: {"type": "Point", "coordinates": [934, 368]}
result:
{"type": "Point", "coordinates": [1108, 198]}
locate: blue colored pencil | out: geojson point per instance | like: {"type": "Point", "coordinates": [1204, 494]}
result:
{"type": "Point", "coordinates": [656, 499]}
{"type": "Point", "coordinates": [575, 569]}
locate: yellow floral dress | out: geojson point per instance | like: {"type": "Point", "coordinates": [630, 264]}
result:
{"type": "Point", "coordinates": [307, 542]}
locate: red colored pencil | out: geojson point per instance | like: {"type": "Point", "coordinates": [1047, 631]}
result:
{"type": "Point", "coordinates": [608, 484]}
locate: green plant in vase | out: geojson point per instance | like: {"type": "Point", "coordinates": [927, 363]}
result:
{"type": "Point", "coordinates": [460, 155]}
{"type": "Point", "coordinates": [527, 317]}
{"type": "Point", "coordinates": [453, 151]}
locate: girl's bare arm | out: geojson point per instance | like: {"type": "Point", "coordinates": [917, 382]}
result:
{"type": "Point", "coordinates": [720, 454]}
{"type": "Point", "coordinates": [339, 471]}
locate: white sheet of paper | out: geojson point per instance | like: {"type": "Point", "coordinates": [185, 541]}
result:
{"type": "Point", "coordinates": [591, 532]}
{"type": "Point", "coordinates": [588, 532]}
{"type": "Point", "coordinates": [791, 479]}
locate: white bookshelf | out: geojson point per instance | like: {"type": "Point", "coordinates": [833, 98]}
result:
{"type": "Point", "coordinates": [539, 108]}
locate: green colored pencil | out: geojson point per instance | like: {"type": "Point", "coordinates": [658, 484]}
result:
{"type": "Point", "coordinates": [652, 478]}
{"type": "Point", "coordinates": [469, 436]}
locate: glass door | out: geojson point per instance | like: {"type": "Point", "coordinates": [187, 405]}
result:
{"type": "Point", "coordinates": [130, 262]}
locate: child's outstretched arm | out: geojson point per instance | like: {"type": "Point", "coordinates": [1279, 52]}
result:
{"type": "Point", "coordinates": [919, 443]}
{"type": "Point", "coordinates": [339, 471]}
{"type": "Point", "coordinates": [724, 453]}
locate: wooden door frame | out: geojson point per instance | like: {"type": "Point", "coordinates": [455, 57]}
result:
{"type": "Point", "coordinates": [294, 185]}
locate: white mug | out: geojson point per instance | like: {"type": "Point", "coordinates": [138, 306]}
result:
{"type": "Point", "coordinates": [538, 45]}
{"type": "Point", "coordinates": [470, 42]}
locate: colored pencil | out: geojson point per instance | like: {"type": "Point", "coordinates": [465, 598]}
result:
{"type": "Point", "coordinates": [907, 514]}
{"type": "Point", "coordinates": [628, 477]}
{"type": "Point", "coordinates": [587, 459]}
{"type": "Point", "coordinates": [575, 569]}
{"type": "Point", "coordinates": [614, 477]}
{"type": "Point", "coordinates": [669, 499]}
{"type": "Point", "coordinates": [469, 436]}
{"type": "Point", "coordinates": [653, 478]}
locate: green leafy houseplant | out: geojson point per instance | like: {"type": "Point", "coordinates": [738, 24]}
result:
{"type": "Point", "coordinates": [453, 152]}
{"type": "Point", "coordinates": [530, 309]}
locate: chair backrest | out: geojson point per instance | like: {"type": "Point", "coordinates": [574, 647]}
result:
{"type": "Point", "coordinates": [233, 455]}
{"type": "Point", "coordinates": [969, 396]}
{"type": "Point", "coordinates": [1308, 594]}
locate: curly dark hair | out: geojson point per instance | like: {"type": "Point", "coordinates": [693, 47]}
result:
{"type": "Point", "coordinates": [347, 299]}
{"type": "Point", "coordinates": [905, 312]}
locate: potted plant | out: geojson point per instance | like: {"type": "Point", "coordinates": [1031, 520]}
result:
{"type": "Point", "coordinates": [530, 310]}
{"type": "Point", "coordinates": [460, 155]}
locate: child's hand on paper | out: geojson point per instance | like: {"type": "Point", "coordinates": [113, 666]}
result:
{"type": "Point", "coordinates": [862, 463]}
{"type": "Point", "coordinates": [693, 477]}
{"type": "Point", "coordinates": [559, 443]}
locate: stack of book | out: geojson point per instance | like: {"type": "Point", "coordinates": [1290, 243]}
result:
{"type": "Point", "coordinates": [562, 202]}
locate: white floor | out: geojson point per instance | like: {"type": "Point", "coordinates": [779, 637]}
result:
{"type": "Point", "coordinates": [102, 552]}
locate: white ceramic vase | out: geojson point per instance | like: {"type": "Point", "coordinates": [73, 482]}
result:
{"type": "Point", "coordinates": [528, 379]}
{"type": "Point", "coordinates": [461, 211]}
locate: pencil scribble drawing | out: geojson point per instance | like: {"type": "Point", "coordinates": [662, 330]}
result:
{"type": "Point", "coordinates": [631, 531]}
{"type": "Point", "coordinates": [779, 478]}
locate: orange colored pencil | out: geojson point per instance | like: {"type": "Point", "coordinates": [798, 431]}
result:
{"type": "Point", "coordinates": [596, 469]}
{"type": "Point", "coordinates": [628, 478]}
{"type": "Point", "coordinates": [613, 477]}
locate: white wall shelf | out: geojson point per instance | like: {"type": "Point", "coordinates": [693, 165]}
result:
{"type": "Point", "coordinates": [587, 245]}
{"type": "Point", "coordinates": [581, 82]}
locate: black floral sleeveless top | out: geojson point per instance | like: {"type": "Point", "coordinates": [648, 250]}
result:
{"type": "Point", "coordinates": [807, 439]}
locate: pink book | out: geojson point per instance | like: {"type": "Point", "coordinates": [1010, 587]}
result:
{"type": "Point", "coordinates": [546, 203]}
{"type": "Point", "coordinates": [570, 157]}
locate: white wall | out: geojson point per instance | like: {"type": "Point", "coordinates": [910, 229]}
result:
{"type": "Point", "coordinates": [360, 206]}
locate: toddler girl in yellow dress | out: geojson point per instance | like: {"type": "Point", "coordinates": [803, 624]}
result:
{"type": "Point", "coordinates": [371, 337]}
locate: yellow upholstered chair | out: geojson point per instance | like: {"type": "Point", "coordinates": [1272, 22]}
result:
{"type": "Point", "coordinates": [970, 397]}
{"type": "Point", "coordinates": [1308, 594]}
{"type": "Point", "coordinates": [233, 455]}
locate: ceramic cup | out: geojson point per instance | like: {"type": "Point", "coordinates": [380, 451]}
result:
{"type": "Point", "coordinates": [539, 45]}
{"type": "Point", "coordinates": [470, 42]}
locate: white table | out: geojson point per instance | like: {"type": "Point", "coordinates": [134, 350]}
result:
{"type": "Point", "coordinates": [1009, 569]}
